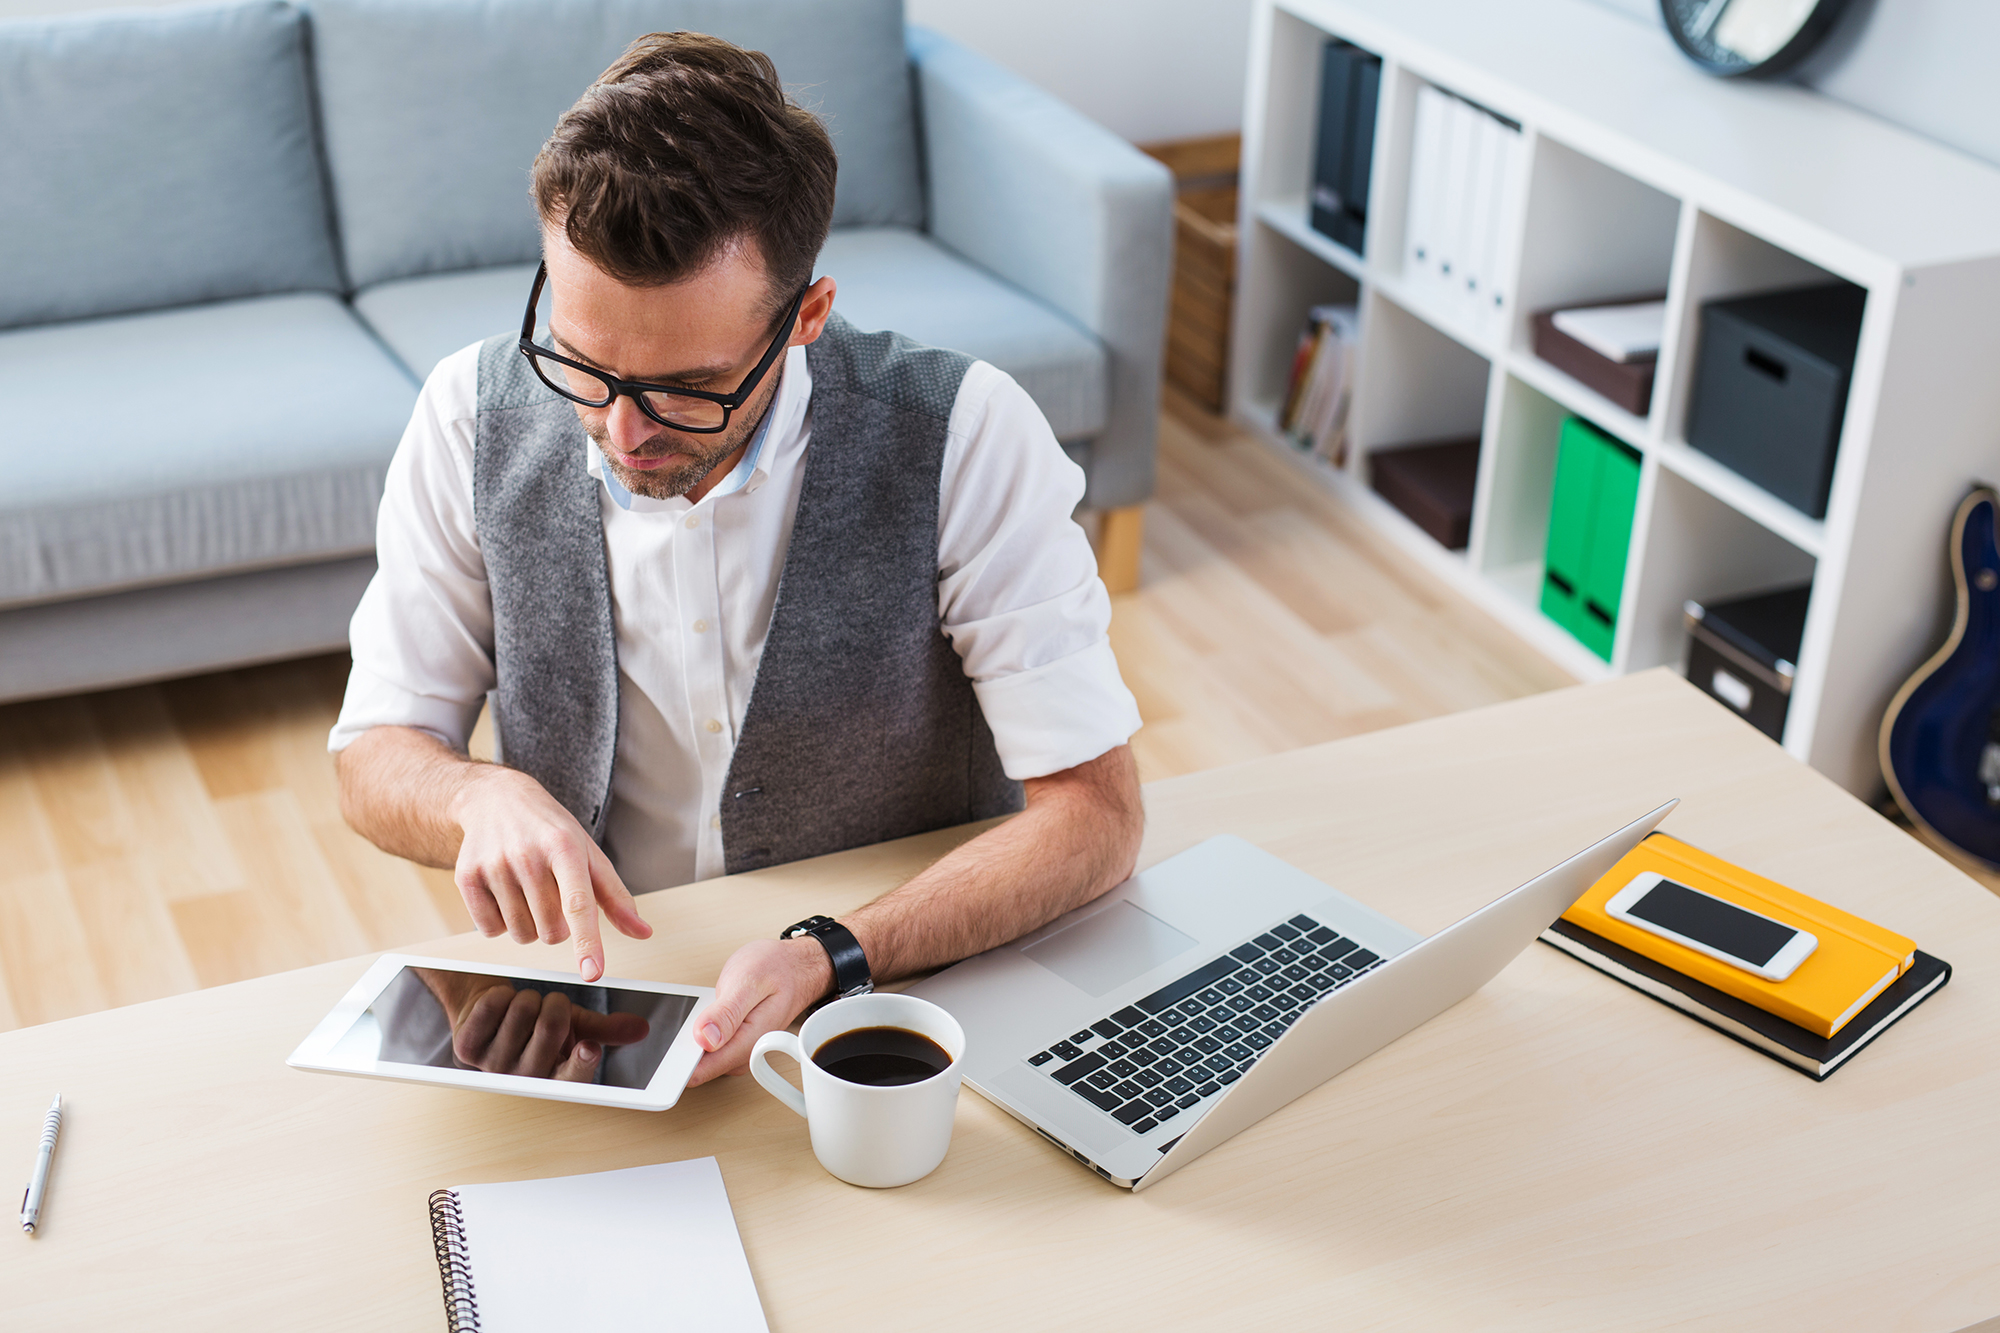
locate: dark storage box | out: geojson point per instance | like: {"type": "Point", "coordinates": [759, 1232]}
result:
{"type": "Point", "coordinates": [1741, 651]}
{"type": "Point", "coordinates": [1431, 484]}
{"type": "Point", "coordinates": [1770, 387]}
{"type": "Point", "coordinates": [1626, 383]}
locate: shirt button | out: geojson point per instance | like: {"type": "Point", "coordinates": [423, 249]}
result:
{"type": "Point", "coordinates": [694, 521]}
{"type": "Point", "coordinates": [713, 725]}
{"type": "Point", "coordinates": [701, 627]}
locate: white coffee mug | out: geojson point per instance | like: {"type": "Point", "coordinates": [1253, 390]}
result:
{"type": "Point", "coordinates": [870, 1135]}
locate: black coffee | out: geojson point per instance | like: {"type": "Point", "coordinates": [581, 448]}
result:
{"type": "Point", "coordinates": [881, 1057]}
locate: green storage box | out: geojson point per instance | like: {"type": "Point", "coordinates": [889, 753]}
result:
{"type": "Point", "coordinates": [1590, 529]}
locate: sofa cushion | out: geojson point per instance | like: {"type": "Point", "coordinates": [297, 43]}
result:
{"type": "Point", "coordinates": [434, 110]}
{"type": "Point", "coordinates": [176, 444]}
{"type": "Point", "coordinates": [890, 278]}
{"type": "Point", "coordinates": [153, 159]}
{"type": "Point", "coordinates": [903, 280]}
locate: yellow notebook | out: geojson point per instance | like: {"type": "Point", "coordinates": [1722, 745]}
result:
{"type": "Point", "coordinates": [1855, 959]}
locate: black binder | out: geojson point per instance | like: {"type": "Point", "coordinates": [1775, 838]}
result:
{"type": "Point", "coordinates": [1350, 86]}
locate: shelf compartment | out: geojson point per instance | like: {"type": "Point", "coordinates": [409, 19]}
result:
{"type": "Point", "coordinates": [1723, 261]}
{"type": "Point", "coordinates": [1593, 234]}
{"type": "Point", "coordinates": [1277, 285]}
{"type": "Point", "coordinates": [1694, 546]}
{"type": "Point", "coordinates": [1744, 496]}
{"type": "Point", "coordinates": [1414, 383]}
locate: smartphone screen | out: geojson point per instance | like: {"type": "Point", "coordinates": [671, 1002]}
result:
{"type": "Point", "coordinates": [1719, 925]}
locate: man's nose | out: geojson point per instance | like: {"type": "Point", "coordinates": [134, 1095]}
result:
{"type": "Point", "coordinates": [627, 426]}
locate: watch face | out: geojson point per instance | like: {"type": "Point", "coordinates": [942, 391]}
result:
{"type": "Point", "coordinates": [1749, 38]}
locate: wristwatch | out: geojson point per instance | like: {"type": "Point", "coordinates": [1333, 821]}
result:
{"type": "Point", "coordinates": [850, 965]}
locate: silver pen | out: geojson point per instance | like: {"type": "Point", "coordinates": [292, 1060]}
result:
{"type": "Point", "coordinates": [31, 1202]}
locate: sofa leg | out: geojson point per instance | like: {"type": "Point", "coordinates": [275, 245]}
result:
{"type": "Point", "coordinates": [1120, 534]}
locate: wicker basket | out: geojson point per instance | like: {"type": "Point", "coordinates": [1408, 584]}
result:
{"type": "Point", "coordinates": [1204, 263]}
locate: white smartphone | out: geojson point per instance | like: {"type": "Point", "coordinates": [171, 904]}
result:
{"type": "Point", "coordinates": [1758, 944]}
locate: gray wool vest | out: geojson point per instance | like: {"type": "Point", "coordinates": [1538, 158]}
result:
{"type": "Point", "coordinates": [861, 725]}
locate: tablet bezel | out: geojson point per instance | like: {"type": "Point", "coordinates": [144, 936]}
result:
{"type": "Point", "coordinates": [315, 1052]}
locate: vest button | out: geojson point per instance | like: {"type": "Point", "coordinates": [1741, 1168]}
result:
{"type": "Point", "coordinates": [713, 725]}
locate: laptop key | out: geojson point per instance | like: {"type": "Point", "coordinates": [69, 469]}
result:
{"type": "Point", "coordinates": [1239, 1003]}
{"type": "Point", "coordinates": [1184, 1102]}
{"type": "Point", "coordinates": [1228, 1034]}
{"type": "Point", "coordinates": [1065, 1051]}
{"type": "Point", "coordinates": [1203, 1000]}
{"type": "Point", "coordinates": [1198, 980]}
{"type": "Point", "coordinates": [1267, 965]}
{"type": "Point", "coordinates": [1341, 971]}
{"type": "Point", "coordinates": [1124, 1068]}
{"type": "Point", "coordinates": [1256, 1041]}
{"type": "Point", "coordinates": [1321, 935]}
{"type": "Point", "coordinates": [1287, 931]}
{"type": "Point", "coordinates": [1132, 1112]}
{"type": "Point", "coordinates": [1336, 948]}
{"type": "Point", "coordinates": [1263, 1013]}
{"type": "Point", "coordinates": [1259, 992]}
{"type": "Point", "coordinates": [1144, 1125]}
{"type": "Point", "coordinates": [1081, 1037]}
{"type": "Point", "coordinates": [1303, 993]}
{"type": "Point", "coordinates": [1041, 1057]}
{"type": "Point", "coordinates": [1207, 1089]}
{"type": "Point", "coordinates": [1177, 1086]}
{"type": "Point", "coordinates": [1202, 1024]}
{"type": "Point", "coordinates": [1127, 1090]}
{"type": "Point", "coordinates": [1101, 1080]}
{"type": "Point", "coordinates": [1157, 1097]}
{"type": "Point", "coordinates": [1146, 1078]}
{"type": "Point", "coordinates": [1304, 922]}
{"type": "Point", "coordinates": [1128, 1016]}
{"type": "Point", "coordinates": [1113, 1050]}
{"type": "Point", "coordinates": [1152, 1027]}
{"type": "Point", "coordinates": [1245, 953]}
{"type": "Point", "coordinates": [1229, 1077]}
{"type": "Point", "coordinates": [1208, 1046]}
{"type": "Point", "coordinates": [1229, 986]}
{"type": "Point", "coordinates": [1145, 1055]}
{"type": "Point", "coordinates": [1170, 1067]}
{"type": "Point", "coordinates": [1107, 1028]}
{"type": "Point", "coordinates": [1361, 958]}
{"type": "Point", "coordinates": [1277, 1029]}
{"type": "Point", "coordinates": [1239, 1052]}
{"type": "Point", "coordinates": [1268, 940]}
{"type": "Point", "coordinates": [1077, 1069]}
{"type": "Point", "coordinates": [1293, 972]}
{"type": "Point", "coordinates": [1220, 1064]}
{"type": "Point", "coordinates": [1102, 1099]}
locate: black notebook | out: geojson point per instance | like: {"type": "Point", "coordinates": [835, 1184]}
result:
{"type": "Point", "coordinates": [1807, 1052]}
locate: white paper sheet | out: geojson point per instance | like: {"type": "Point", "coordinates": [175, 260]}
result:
{"type": "Point", "coordinates": [651, 1247]}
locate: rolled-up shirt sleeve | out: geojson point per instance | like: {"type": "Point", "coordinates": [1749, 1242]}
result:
{"type": "Point", "coordinates": [422, 637]}
{"type": "Point", "coordinates": [1018, 590]}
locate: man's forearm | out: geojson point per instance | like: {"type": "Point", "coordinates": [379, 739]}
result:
{"type": "Point", "coordinates": [1078, 838]}
{"type": "Point", "coordinates": [397, 787]}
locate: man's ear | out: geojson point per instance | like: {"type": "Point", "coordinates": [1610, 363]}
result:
{"type": "Point", "coordinates": [813, 312]}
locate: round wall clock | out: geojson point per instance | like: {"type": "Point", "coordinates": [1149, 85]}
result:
{"type": "Point", "coordinates": [1756, 39]}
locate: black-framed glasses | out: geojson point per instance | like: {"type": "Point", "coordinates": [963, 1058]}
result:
{"type": "Point", "coordinates": [692, 410]}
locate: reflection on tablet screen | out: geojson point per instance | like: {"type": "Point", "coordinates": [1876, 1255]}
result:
{"type": "Point", "coordinates": [508, 1025]}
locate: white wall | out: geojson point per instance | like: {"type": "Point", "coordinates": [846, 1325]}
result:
{"type": "Point", "coordinates": [1147, 69]}
{"type": "Point", "coordinates": [1926, 65]}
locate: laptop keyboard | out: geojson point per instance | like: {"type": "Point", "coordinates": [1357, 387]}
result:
{"type": "Point", "coordinates": [1167, 1054]}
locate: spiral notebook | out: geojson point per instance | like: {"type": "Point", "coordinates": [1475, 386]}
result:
{"type": "Point", "coordinates": [650, 1247]}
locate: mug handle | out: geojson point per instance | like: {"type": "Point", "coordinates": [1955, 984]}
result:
{"type": "Point", "coordinates": [774, 1082]}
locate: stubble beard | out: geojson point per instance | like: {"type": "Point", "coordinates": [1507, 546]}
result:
{"type": "Point", "coordinates": [702, 453]}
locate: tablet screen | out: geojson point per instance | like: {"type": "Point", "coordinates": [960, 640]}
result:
{"type": "Point", "coordinates": [509, 1025]}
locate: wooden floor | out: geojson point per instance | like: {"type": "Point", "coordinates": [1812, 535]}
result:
{"type": "Point", "coordinates": [167, 837]}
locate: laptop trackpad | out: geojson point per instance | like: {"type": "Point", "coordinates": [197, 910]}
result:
{"type": "Point", "coordinates": [1104, 951]}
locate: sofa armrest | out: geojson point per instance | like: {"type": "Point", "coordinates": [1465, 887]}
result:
{"type": "Point", "coordinates": [1030, 189]}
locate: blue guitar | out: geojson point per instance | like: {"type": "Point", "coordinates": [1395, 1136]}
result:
{"type": "Point", "coordinates": [1941, 736]}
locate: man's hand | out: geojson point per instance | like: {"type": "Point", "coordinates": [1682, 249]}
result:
{"type": "Point", "coordinates": [763, 987]}
{"type": "Point", "coordinates": [527, 867]}
{"type": "Point", "coordinates": [521, 861]}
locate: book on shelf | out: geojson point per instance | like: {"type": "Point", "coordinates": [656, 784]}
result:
{"type": "Point", "coordinates": [1466, 176]}
{"type": "Point", "coordinates": [1314, 415]}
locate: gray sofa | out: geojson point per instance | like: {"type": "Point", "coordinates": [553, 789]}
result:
{"type": "Point", "coordinates": [234, 238]}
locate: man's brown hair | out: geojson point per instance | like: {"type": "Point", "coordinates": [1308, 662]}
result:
{"type": "Point", "coordinates": [686, 145]}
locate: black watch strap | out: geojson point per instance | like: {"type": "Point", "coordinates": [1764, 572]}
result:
{"type": "Point", "coordinates": [850, 965]}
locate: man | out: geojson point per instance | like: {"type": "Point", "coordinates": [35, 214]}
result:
{"type": "Point", "coordinates": [744, 585]}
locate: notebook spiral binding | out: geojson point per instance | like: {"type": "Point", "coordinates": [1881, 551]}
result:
{"type": "Point", "coordinates": [461, 1306]}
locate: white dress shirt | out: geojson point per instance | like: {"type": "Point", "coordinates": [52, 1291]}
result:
{"type": "Point", "coordinates": [692, 589]}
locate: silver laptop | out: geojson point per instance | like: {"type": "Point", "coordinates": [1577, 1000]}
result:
{"type": "Point", "coordinates": [1190, 1002]}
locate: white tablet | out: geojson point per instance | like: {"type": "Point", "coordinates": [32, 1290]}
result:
{"type": "Point", "coordinates": [511, 1029]}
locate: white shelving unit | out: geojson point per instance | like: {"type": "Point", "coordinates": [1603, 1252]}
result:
{"type": "Point", "coordinates": [1644, 174]}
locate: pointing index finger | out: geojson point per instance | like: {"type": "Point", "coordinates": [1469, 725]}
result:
{"type": "Point", "coordinates": [579, 907]}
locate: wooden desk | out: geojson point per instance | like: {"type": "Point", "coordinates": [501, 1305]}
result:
{"type": "Point", "coordinates": [1557, 1152]}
